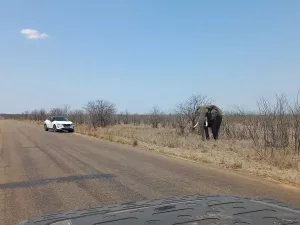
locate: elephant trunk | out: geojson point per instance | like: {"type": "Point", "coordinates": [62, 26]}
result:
{"type": "Point", "coordinates": [202, 122]}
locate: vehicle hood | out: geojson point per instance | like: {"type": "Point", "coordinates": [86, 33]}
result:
{"type": "Point", "coordinates": [190, 209]}
{"type": "Point", "coordinates": [63, 122]}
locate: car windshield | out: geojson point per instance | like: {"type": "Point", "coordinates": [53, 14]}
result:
{"type": "Point", "coordinates": [60, 118]}
{"type": "Point", "coordinates": [165, 98]}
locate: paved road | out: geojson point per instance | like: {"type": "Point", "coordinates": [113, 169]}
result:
{"type": "Point", "coordinates": [44, 172]}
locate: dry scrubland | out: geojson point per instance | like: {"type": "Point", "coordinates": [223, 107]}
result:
{"type": "Point", "coordinates": [227, 153]}
{"type": "Point", "coordinates": [266, 143]}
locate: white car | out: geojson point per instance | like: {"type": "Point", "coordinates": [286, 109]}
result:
{"type": "Point", "coordinates": [58, 123]}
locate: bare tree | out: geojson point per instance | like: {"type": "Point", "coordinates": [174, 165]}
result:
{"type": "Point", "coordinates": [189, 107]}
{"type": "Point", "coordinates": [181, 122]}
{"type": "Point", "coordinates": [119, 117]}
{"type": "Point", "coordinates": [164, 120]}
{"type": "Point", "coordinates": [66, 109]}
{"type": "Point", "coordinates": [269, 129]}
{"type": "Point", "coordinates": [126, 118]}
{"type": "Point", "coordinates": [56, 112]}
{"type": "Point", "coordinates": [42, 114]}
{"type": "Point", "coordinates": [234, 125]}
{"type": "Point", "coordinates": [78, 116]}
{"type": "Point", "coordinates": [155, 117]}
{"type": "Point", "coordinates": [100, 112]}
{"type": "Point", "coordinates": [35, 114]}
{"type": "Point", "coordinates": [26, 114]}
{"type": "Point", "coordinates": [295, 112]}
{"type": "Point", "coordinates": [274, 124]}
{"type": "Point", "coordinates": [136, 119]}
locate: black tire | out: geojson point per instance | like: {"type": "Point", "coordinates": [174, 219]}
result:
{"type": "Point", "coordinates": [70, 131]}
{"type": "Point", "coordinates": [45, 127]}
{"type": "Point", "coordinates": [54, 128]}
{"type": "Point", "coordinates": [199, 209]}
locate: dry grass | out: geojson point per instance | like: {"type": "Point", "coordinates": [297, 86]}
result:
{"type": "Point", "coordinates": [231, 154]}
{"type": "Point", "coordinates": [34, 122]}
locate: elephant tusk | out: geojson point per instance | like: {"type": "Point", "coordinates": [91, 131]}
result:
{"type": "Point", "coordinates": [196, 124]}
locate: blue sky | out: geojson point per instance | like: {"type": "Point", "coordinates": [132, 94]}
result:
{"type": "Point", "coordinates": [138, 54]}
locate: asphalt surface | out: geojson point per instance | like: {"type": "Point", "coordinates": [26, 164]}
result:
{"type": "Point", "coordinates": [43, 172]}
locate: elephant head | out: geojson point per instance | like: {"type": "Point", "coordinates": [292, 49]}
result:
{"type": "Point", "coordinates": [201, 115]}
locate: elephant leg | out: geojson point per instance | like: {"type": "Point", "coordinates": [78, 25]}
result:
{"type": "Point", "coordinates": [216, 127]}
{"type": "Point", "coordinates": [216, 136]}
{"type": "Point", "coordinates": [206, 132]}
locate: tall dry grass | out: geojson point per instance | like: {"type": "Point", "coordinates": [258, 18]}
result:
{"type": "Point", "coordinates": [231, 153]}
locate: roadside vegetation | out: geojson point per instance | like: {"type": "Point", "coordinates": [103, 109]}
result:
{"type": "Point", "coordinates": [265, 142]}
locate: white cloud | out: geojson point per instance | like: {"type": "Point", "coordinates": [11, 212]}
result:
{"type": "Point", "coordinates": [33, 34]}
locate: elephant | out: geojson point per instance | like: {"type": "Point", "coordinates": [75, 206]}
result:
{"type": "Point", "coordinates": [209, 116]}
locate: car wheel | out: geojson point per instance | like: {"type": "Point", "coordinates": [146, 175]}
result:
{"type": "Point", "coordinates": [45, 127]}
{"type": "Point", "coordinates": [54, 128]}
{"type": "Point", "coordinates": [71, 131]}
